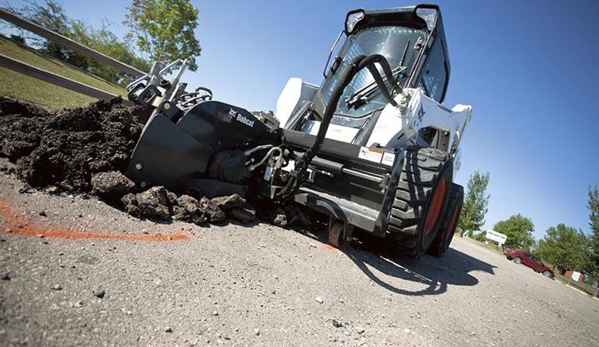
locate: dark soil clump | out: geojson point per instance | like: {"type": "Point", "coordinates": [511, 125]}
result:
{"type": "Point", "coordinates": [153, 203]}
{"type": "Point", "coordinates": [111, 186]}
{"type": "Point", "coordinates": [65, 148]}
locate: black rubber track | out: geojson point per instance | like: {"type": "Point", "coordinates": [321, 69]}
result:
{"type": "Point", "coordinates": [422, 171]}
{"type": "Point", "coordinates": [446, 231]}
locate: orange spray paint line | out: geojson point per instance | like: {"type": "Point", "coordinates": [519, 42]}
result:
{"type": "Point", "coordinates": [16, 224]}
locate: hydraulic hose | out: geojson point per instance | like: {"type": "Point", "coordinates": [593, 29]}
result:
{"type": "Point", "coordinates": [368, 62]}
{"type": "Point", "coordinates": [345, 76]}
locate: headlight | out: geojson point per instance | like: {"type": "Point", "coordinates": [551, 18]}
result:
{"type": "Point", "coordinates": [352, 19]}
{"type": "Point", "coordinates": [429, 15]}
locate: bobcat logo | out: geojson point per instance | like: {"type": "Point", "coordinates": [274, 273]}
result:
{"type": "Point", "coordinates": [241, 118]}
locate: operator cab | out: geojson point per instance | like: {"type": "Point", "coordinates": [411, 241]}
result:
{"type": "Point", "coordinates": [406, 37]}
{"type": "Point", "coordinates": [412, 40]}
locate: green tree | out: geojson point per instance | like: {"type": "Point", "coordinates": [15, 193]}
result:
{"type": "Point", "coordinates": [164, 29]}
{"type": "Point", "coordinates": [518, 230]}
{"type": "Point", "coordinates": [482, 236]}
{"type": "Point", "coordinates": [50, 15]}
{"type": "Point", "coordinates": [104, 41]}
{"type": "Point", "coordinates": [593, 206]}
{"type": "Point", "coordinates": [475, 203]}
{"type": "Point", "coordinates": [566, 248]}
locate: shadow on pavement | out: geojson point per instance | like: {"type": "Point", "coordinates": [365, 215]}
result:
{"type": "Point", "coordinates": [378, 263]}
{"type": "Point", "coordinates": [454, 268]}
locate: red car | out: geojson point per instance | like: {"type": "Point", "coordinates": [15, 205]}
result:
{"type": "Point", "coordinates": [519, 256]}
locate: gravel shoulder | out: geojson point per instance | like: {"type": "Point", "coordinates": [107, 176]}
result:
{"type": "Point", "coordinates": [260, 285]}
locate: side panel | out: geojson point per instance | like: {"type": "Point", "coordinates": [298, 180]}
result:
{"type": "Point", "coordinates": [291, 97]}
{"type": "Point", "coordinates": [335, 132]}
{"type": "Point", "coordinates": [389, 127]}
{"type": "Point", "coordinates": [221, 126]}
{"type": "Point", "coordinates": [395, 126]}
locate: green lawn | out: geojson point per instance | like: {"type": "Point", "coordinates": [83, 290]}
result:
{"type": "Point", "coordinates": [587, 288]}
{"type": "Point", "coordinates": [26, 88]}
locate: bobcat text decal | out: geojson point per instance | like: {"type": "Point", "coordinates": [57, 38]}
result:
{"type": "Point", "coordinates": [241, 118]}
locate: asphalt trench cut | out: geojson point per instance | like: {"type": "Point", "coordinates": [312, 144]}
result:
{"type": "Point", "coordinates": [14, 223]}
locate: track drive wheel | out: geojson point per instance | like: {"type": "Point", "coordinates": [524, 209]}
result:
{"type": "Point", "coordinates": [420, 200]}
{"type": "Point", "coordinates": [449, 223]}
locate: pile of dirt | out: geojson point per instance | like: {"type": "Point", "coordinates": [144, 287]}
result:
{"type": "Point", "coordinates": [87, 150]}
{"type": "Point", "coordinates": [65, 148]}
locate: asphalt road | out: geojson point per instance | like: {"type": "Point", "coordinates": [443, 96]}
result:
{"type": "Point", "coordinates": [180, 285]}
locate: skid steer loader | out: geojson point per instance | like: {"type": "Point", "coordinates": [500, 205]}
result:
{"type": "Point", "coordinates": [372, 147]}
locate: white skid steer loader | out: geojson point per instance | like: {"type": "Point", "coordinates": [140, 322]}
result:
{"type": "Point", "coordinates": [372, 147]}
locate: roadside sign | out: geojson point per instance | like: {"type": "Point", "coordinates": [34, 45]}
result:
{"type": "Point", "coordinates": [495, 236]}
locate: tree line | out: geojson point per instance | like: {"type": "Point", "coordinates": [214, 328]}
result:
{"type": "Point", "coordinates": [562, 246]}
{"type": "Point", "coordinates": [157, 30]}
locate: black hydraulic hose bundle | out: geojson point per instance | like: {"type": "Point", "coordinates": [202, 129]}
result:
{"type": "Point", "coordinates": [368, 62]}
{"type": "Point", "coordinates": [345, 76]}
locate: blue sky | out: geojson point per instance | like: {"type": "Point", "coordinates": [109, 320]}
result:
{"type": "Point", "coordinates": [528, 68]}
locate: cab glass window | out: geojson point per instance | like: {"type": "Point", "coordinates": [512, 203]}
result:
{"type": "Point", "coordinates": [395, 43]}
{"type": "Point", "coordinates": [434, 73]}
